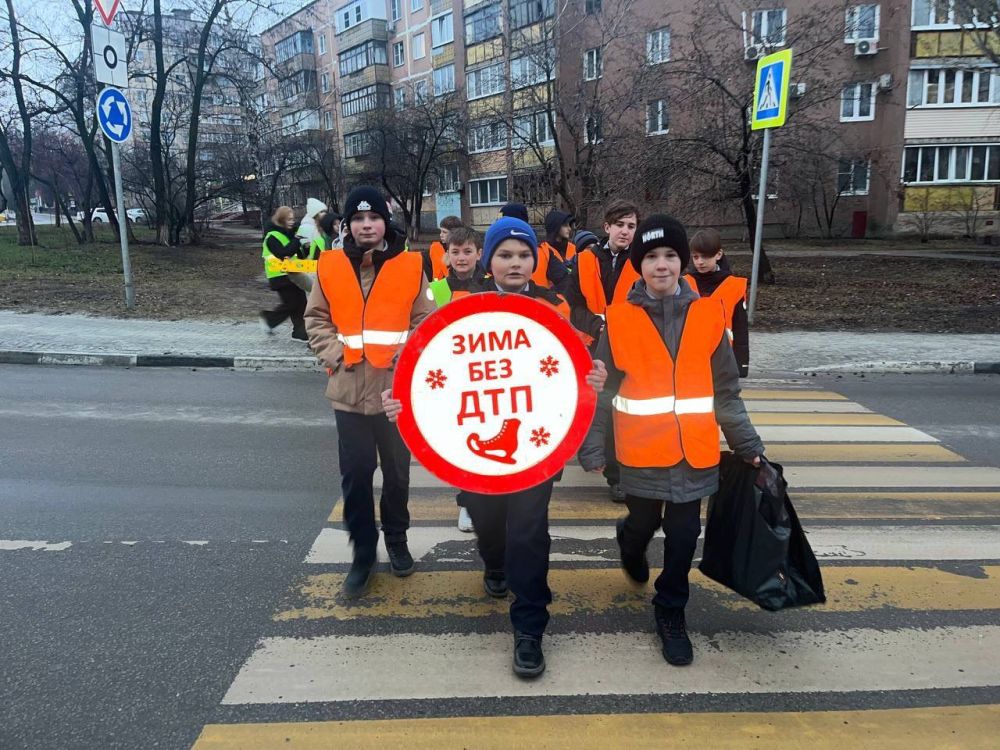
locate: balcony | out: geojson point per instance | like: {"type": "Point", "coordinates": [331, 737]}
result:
{"type": "Point", "coordinates": [373, 28]}
{"type": "Point", "coordinates": [295, 63]}
{"type": "Point", "coordinates": [302, 100]}
{"type": "Point", "coordinates": [366, 76]}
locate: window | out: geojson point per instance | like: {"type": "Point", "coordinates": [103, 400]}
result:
{"type": "Point", "coordinates": [485, 81]}
{"type": "Point", "coordinates": [592, 7]}
{"type": "Point", "coordinates": [417, 47]}
{"type": "Point", "coordinates": [300, 83]}
{"type": "Point", "coordinates": [299, 122]}
{"type": "Point", "coordinates": [658, 46]}
{"type": "Point", "coordinates": [322, 44]}
{"type": "Point", "coordinates": [416, 5]}
{"type": "Point", "coordinates": [943, 87]}
{"type": "Point", "coordinates": [861, 22]}
{"type": "Point", "coordinates": [328, 120]}
{"type": "Point", "coordinates": [526, 12]}
{"type": "Point", "coordinates": [449, 180]}
{"type": "Point", "coordinates": [488, 192]}
{"type": "Point", "coordinates": [976, 163]}
{"type": "Point", "coordinates": [533, 130]}
{"type": "Point", "coordinates": [444, 80]}
{"type": "Point", "coordinates": [769, 27]}
{"type": "Point", "coordinates": [395, 11]}
{"type": "Point", "coordinates": [529, 71]}
{"type": "Point", "coordinates": [352, 14]}
{"type": "Point", "coordinates": [852, 176]}
{"type": "Point", "coordinates": [325, 82]}
{"type": "Point", "coordinates": [933, 13]}
{"type": "Point", "coordinates": [360, 57]}
{"type": "Point", "coordinates": [482, 24]}
{"type": "Point", "coordinates": [593, 132]}
{"type": "Point", "coordinates": [398, 55]}
{"type": "Point", "coordinates": [399, 97]}
{"type": "Point", "coordinates": [420, 91]}
{"type": "Point", "coordinates": [593, 64]}
{"type": "Point", "coordinates": [301, 42]}
{"type": "Point", "coordinates": [364, 100]}
{"type": "Point", "coordinates": [356, 144]}
{"type": "Point", "coordinates": [857, 102]}
{"type": "Point", "coordinates": [443, 30]}
{"type": "Point", "coordinates": [489, 137]}
{"type": "Point", "coordinates": [657, 119]}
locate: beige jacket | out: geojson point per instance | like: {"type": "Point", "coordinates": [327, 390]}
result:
{"type": "Point", "coordinates": [357, 389]}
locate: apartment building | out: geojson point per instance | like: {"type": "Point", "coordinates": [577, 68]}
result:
{"type": "Point", "coordinates": [552, 86]}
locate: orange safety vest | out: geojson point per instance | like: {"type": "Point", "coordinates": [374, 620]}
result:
{"type": "Point", "coordinates": [545, 252]}
{"type": "Point", "coordinates": [439, 268]}
{"type": "Point", "coordinates": [731, 292]}
{"type": "Point", "coordinates": [665, 409]}
{"type": "Point", "coordinates": [377, 327]}
{"type": "Point", "coordinates": [588, 270]}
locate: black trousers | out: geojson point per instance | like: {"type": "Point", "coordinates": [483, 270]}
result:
{"type": "Point", "coordinates": [681, 524]}
{"type": "Point", "coordinates": [293, 303]}
{"type": "Point", "coordinates": [364, 442]}
{"type": "Point", "coordinates": [512, 533]}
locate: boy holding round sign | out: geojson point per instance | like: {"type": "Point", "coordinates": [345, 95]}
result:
{"type": "Point", "coordinates": [473, 381]}
{"type": "Point", "coordinates": [672, 383]}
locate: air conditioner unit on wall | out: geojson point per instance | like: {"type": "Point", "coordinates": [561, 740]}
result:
{"type": "Point", "coordinates": [753, 52]}
{"type": "Point", "coordinates": [865, 48]}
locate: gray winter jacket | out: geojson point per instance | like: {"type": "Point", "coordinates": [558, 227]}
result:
{"type": "Point", "coordinates": [680, 483]}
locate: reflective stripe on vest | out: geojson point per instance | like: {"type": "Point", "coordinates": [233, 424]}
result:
{"type": "Point", "coordinates": [268, 255]}
{"type": "Point", "coordinates": [372, 329]}
{"type": "Point", "coordinates": [439, 269]}
{"type": "Point", "coordinates": [588, 269]}
{"type": "Point", "coordinates": [665, 409]}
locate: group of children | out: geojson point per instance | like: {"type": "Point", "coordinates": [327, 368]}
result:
{"type": "Point", "coordinates": [663, 366]}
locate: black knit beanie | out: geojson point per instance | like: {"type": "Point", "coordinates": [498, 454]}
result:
{"type": "Point", "coordinates": [659, 230]}
{"type": "Point", "coordinates": [366, 198]}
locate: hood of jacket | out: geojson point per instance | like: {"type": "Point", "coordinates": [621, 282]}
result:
{"type": "Point", "coordinates": [553, 221]}
{"type": "Point", "coordinates": [668, 314]}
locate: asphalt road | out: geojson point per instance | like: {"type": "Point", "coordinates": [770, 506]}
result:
{"type": "Point", "coordinates": [190, 500]}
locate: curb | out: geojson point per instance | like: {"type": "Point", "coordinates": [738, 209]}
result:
{"type": "Point", "coordinates": [13, 357]}
{"type": "Point", "coordinates": [962, 367]}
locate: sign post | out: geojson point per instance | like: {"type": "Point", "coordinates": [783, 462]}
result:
{"type": "Point", "coordinates": [114, 115]}
{"type": "Point", "coordinates": [770, 107]}
{"type": "Point", "coordinates": [494, 393]}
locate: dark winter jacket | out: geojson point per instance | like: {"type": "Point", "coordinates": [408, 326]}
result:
{"type": "Point", "coordinates": [581, 317]}
{"type": "Point", "coordinates": [680, 483]}
{"type": "Point", "coordinates": [707, 284]}
{"type": "Point", "coordinates": [474, 283]}
{"type": "Point", "coordinates": [293, 248]}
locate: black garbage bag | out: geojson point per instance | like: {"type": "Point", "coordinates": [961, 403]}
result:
{"type": "Point", "coordinates": [754, 543]}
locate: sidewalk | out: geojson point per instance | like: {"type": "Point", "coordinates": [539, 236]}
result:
{"type": "Point", "coordinates": [30, 338]}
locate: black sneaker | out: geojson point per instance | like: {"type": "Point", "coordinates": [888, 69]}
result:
{"type": "Point", "coordinates": [529, 661]}
{"type": "Point", "coordinates": [400, 559]}
{"type": "Point", "coordinates": [495, 583]}
{"type": "Point", "coordinates": [616, 492]}
{"type": "Point", "coordinates": [672, 630]}
{"type": "Point", "coordinates": [635, 566]}
{"type": "Point", "coordinates": [359, 576]}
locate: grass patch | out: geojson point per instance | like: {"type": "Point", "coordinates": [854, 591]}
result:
{"type": "Point", "coordinates": [58, 252]}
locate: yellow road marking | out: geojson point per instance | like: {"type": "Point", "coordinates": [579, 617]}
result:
{"type": "Point", "coordinates": [604, 590]}
{"type": "Point", "coordinates": [757, 394]}
{"type": "Point", "coordinates": [936, 728]}
{"type": "Point", "coordinates": [813, 419]}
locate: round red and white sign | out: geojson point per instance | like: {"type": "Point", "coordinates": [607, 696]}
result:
{"type": "Point", "coordinates": [494, 393]}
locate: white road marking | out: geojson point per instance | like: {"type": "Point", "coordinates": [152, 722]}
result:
{"type": "Point", "coordinates": [406, 666]}
{"type": "Point", "coordinates": [9, 545]}
{"type": "Point", "coordinates": [332, 546]}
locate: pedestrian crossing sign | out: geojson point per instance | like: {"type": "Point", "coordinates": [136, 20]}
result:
{"type": "Point", "coordinates": [770, 101]}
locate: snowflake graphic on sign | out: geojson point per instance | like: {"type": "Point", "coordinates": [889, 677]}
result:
{"type": "Point", "coordinates": [550, 366]}
{"type": "Point", "coordinates": [436, 379]}
{"type": "Point", "coordinates": [540, 437]}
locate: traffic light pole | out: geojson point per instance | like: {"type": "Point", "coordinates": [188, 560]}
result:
{"type": "Point", "coordinates": [123, 227]}
{"type": "Point", "coordinates": [758, 234]}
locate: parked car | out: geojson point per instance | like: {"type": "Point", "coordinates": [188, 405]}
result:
{"type": "Point", "coordinates": [100, 216]}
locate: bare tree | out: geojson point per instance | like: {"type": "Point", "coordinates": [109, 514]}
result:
{"type": "Point", "coordinates": [979, 18]}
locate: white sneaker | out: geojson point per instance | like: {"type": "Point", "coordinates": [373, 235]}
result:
{"type": "Point", "coordinates": [464, 520]}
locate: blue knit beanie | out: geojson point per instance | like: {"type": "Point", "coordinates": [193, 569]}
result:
{"type": "Point", "coordinates": [506, 228]}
